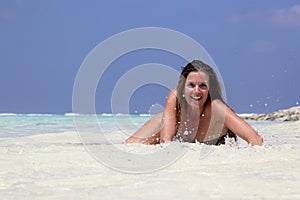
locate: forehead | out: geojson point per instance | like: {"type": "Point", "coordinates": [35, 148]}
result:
{"type": "Point", "coordinates": [197, 77]}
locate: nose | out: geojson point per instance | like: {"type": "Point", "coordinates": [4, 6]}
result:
{"type": "Point", "coordinates": [197, 89]}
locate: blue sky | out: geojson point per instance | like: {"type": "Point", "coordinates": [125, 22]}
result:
{"type": "Point", "coordinates": [255, 45]}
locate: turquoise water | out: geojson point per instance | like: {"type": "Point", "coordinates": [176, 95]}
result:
{"type": "Point", "coordinates": [17, 125]}
{"type": "Point", "coordinates": [116, 127]}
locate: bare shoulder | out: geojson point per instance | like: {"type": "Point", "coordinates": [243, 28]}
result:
{"type": "Point", "coordinates": [221, 107]}
{"type": "Point", "coordinates": [218, 105]}
{"type": "Point", "coordinates": [172, 96]}
{"type": "Point", "coordinates": [172, 93]}
{"type": "Point", "coordinates": [217, 102]}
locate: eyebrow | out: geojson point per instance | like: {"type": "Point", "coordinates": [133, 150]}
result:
{"type": "Point", "coordinates": [204, 82]}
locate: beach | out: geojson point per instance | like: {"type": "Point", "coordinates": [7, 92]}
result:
{"type": "Point", "coordinates": [78, 78]}
{"type": "Point", "coordinates": [57, 165]}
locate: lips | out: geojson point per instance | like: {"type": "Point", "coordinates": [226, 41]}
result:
{"type": "Point", "coordinates": [197, 98]}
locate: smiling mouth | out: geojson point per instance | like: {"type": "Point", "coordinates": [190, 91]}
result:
{"type": "Point", "coordinates": [197, 98]}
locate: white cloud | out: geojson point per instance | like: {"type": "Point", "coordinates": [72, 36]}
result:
{"type": "Point", "coordinates": [289, 17]}
{"type": "Point", "coordinates": [286, 17]}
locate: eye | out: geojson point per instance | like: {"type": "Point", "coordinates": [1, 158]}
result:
{"type": "Point", "coordinates": [190, 85]}
{"type": "Point", "coordinates": [203, 86]}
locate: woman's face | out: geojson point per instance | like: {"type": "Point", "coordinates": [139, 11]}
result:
{"type": "Point", "coordinates": [196, 89]}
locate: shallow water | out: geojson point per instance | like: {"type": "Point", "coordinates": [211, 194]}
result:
{"type": "Point", "coordinates": [42, 157]}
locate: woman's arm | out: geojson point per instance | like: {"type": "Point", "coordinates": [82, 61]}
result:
{"type": "Point", "coordinates": [149, 132]}
{"type": "Point", "coordinates": [160, 128]}
{"type": "Point", "coordinates": [238, 126]}
{"type": "Point", "coordinates": [169, 118]}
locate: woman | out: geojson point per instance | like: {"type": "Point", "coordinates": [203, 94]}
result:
{"type": "Point", "coordinates": [196, 111]}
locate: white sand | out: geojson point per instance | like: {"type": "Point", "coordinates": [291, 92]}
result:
{"type": "Point", "coordinates": [57, 166]}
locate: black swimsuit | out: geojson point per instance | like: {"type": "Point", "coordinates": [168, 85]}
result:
{"type": "Point", "coordinates": [221, 139]}
{"type": "Point", "coordinates": [218, 141]}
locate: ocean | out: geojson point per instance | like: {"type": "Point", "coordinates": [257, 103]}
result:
{"type": "Point", "coordinates": [49, 156]}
